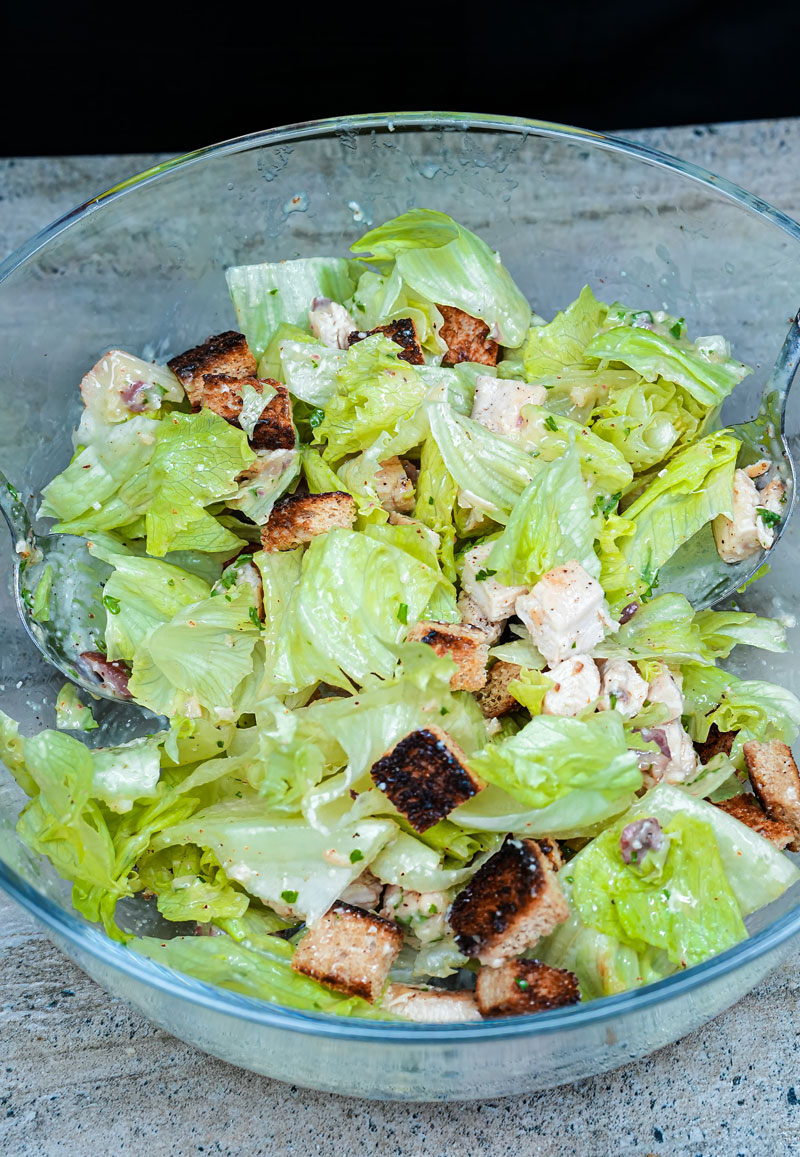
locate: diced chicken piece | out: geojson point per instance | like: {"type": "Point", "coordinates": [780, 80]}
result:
{"type": "Point", "coordinates": [227, 353]}
{"type": "Point", "coordinates": [402, 333]}
{"type": "Point", "coordinates": [509, 904]}
{"type": "Point", "coordinates": [776, 783]}
{"type": "Point", "coordinates": [365, 891]}
{"type": "Point", "coordinates": [422, 914]}
{"type": "Point", "coordinates": [298, 518]}
{"type": "Point", "coordinates": [466, 337]}
{"type": "Point", "coordinates": [430, 1005]}
{"type": "Point", "coordinates": [676, 758]}
{"type": "Point", "coordinates": [274, 430]}
{"type": "Point", "coordinates": [394, 488]}
{"type": "Point", "coordinates": [425, 775]}
{"type": "Point", "coordinates": [566, 611]}
{"type": "Point", "coordinates": [494, 600]}
{"type": "Point", "coordinates": [466, 646]}
{"type": "Point", "coordinates": [715, 742]}
{"type": "Point", "coordinates": [498, 403]}
{"type": "Point", "coordinates": [349, 950]}
{"type": "Point", "coordinates": [473, 616]}
{"type": "Point", "coordinates": [268, 464]}
{"type": "Point", "coordinates": [236, 573]}
{"type": "Point", "coordinates": [330, 323]}
{"type": "Point", "coordinates": [757, 469]}
{"type": "Point", "coordinates": [746, 533]}
{"type": "Point", "coordinates": [665, 689]}
{"type": "Point", "coordinates": [495, 699]}
{"type": "Point", "coordinates": [745, 809]}
{"type": "Point", "coordinates": [621, 687]}
{"type": "Point", "coordinates": [576, 685]}
{"type": "Point", "coordinates": [524, 986]}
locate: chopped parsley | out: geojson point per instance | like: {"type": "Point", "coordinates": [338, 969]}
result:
{"type": "Point", "coordinates": [483, 574]}
{"type": "Point", "coordinates": [768, 517]}
{"type": "Point", "coordinates": [220, 743]}
{"type": "Point", "coordinates": [272, 292]}
{"type": "Point", "coordinates": [254, 619]}
{"type": "Point", "coordinates": [521, 983]}
{"type": "Point", "coordinates": [432, 910]}
{"type": "Point", "coordinates": [677, 329]}
{"type": "Point", "coordinates": [444, 711]}
{"type": "Point", "coordinates": [402, 613]}
{"type": "Point", "coordinates": [605, 506]}
{"type": "Point", "coordinates": [550, 422]}
{"type": "Point", "coordinates": [111, 604]}
{"type": "Point", "coordinates": [612, 699]}
{"type": "Point", "coordinates": [316, 418]}
{"type": "Point", "coordinates": [289, 897]}
{"type": "Point", "coordinates": [356, 855]}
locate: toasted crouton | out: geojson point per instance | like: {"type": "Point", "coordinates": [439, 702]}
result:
{"type": "Point", "coordinates": [430, 1005]}
{"type": "Point", "coordinates": [467, 338]}
{"type": "Point", "coordinates": [350, 950]}
{"type": "Point", "coordinates": [745, 809]}
{"type": "Point", "coordinates": [495, 699]}
{"type": "Point", "coordinates": [466, 645]}
{"type": "Point", "coordinates": [552, 849]}
{"type": "Point", "coordinates": [776, 783]}
{"type": "Point", "coordinates": [298, 518]}
{"type": "Point", "coordinates": [402, 333]}
{"type": "Point", "coordinates": [226, 353]}
{"type": "Point", "coordinates": [715, 742]}
{"type": "Point", "coordinates": [521, 986]}
{"type": "Point", "coordinates": [509, 904]}
{"type": "Point", "coordinates": [425, 776]}
{"type": "Point", "coordinates": [394, 488]}
{"type": "Point", "coordinates": [222, 393]}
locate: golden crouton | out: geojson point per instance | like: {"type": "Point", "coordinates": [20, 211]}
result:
{"type": "Point", "coordinates": [298, 518]}
{"type": "Point", "coordinates": [467, 646]}
{"type": "Point", "coordinates": [425, 776]}
{"type": "Point", "coordinates": [717, 741]}
{"type": "Point", "coordinates": [745, 809]}
{"type": "Point", "coordinates": [226, 353]}
{"type": "Point", "coordinates": [394, 488]}
{"type": "Point", "coordinates": [402, 333]}
{"type": "Point", "coordinates": [776, 783]}
{"type": "Point", "coordinates": [467, 338]}
{"type": "Point", "coordinates": [430, 1005]}
{"type": "Point", "coordinates": [495, 699]}
{"type": "Point", "coordinates": [509, 904]}
{"type": "Point", "coordinates": [521, 986]}
{"type": "Point", "coordinates": [350, 950]}
{"type": "Point", "coordinates": [273, 430]}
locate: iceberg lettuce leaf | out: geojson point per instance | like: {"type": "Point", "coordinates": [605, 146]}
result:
{"type": "Point", "coordinates": [550, 348]}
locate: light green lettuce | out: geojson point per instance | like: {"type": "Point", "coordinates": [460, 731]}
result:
{"type": "Point", "coordinates": [753, 708]}
{"type": "Point", "coordinates": [646, 421]}
{"type": "Point", "coordinates": [71, 713]}
{"type": "Point", "coordinates": [190, 885]}
{"type": "Point", "coordinates": [562, 343]}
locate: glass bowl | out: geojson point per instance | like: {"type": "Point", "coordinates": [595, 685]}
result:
{"type": "Point", "coordinates": [142, 267]}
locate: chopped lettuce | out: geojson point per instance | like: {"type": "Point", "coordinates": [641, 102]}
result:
{"type": "Point", "coordinates": [753, 708]}
{"type": "Point", "coordinates": [551, 348]}
{"type": "Point", "coordinates": [646, 421]}
{"type": "Point", "coordinates": [71, 713]}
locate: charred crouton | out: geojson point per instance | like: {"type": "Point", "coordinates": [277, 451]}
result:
{"type": "Point", "coordinates": [298, 518]}
{"type": "Point", "coordinates": [467, 338]}
{"type": "Point", "coordinates": [716, 741]}
{"type": "Point", "coordinates": [222, 393]}
{"type": "Point", "coordinates": [509, 904]}
{"type": "Point", "coordinates": [430, 1005]}
{"type": "Point", "coordinates": [521, 986]}
{"type": "Point", "coordinates": [466, 645]}
{"type": "Point", "coordinates": [552, 849]}
{"type": "Point", "coordinates": [776, 783]}
{"type": "Point", "coordinates": [402, 333]}
{"type": "Point", "coordinates": [350, 950]}
{"type": "Point", "coordinates": [227, 353]}
{"type": "Point", "coordinates": [746, 810]}
{"type": "Point", "coordinates": [394, 488]}
{"type": "Point", "coordinates": [425, 776]}
{"type": "Point", "coordinates": [495, 699]}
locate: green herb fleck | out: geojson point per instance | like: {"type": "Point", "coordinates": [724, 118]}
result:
{"type": "Point", "coordinates": [444, 711]}
{"type": "Point", "coordinates": [482, 575]}
{"type": "Point", "coordinates": [111, 604]}
{"type": "Point", "coordinates": [677, 329]}
{"type": "Point", "coordinates": [40, 607]}
{"type": "Point", "coordinates": [402, 613]}
{"type": "Point", "coordinates": [550, 422]}
{"type": "Point", "coordinates": [356, 855]}
{"type": "Point", "coordinates": [272, 292]}
{"type": "Point", "coordinates": [570, 879]}
{"type": "Point", "coordinates": [430, 501]}
{"type": "Point", "coordinates": [612, 699]}
{"type": "Point", "coordinates": [289, 897]}
{"type": "Point", "coordinates": [316, 418]}
{"type": "Point", "coordinates": [220, 743]}
{"type": "Point", "coordinates": [170, 582]}
{"type": "Point", "coordinates": [254, 619]}
{"type": "Point", "coordinates": [359, 306]}
{"type": "Point", "coordinates": [768, 517]}
{"type": "Point", "coordinates": [14, 493]}
{"type": "Point", "coordinates": [432, 911]}
{"type": "Point", "coordinates": [605, 506]}
{"type": "Point", "coordinates": [521, 983]}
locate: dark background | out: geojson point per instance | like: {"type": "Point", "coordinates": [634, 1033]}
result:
{"type": "Point", "coordinates": [138, 78]}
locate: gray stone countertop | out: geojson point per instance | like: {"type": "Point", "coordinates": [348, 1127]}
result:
{"type": "Point", "coordinates": [84, 1075]}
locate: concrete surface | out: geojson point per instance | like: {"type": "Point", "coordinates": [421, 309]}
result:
{"type": "Point", "coordinates": [83, 1075]}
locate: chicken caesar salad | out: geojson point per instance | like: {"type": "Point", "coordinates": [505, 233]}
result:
{"type": "Point", "coordinates": [431, 742]}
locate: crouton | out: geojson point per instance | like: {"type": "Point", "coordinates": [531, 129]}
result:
{"type": "Point", "coordinates": [226, 353]}
{"type": "Point", "coordinates": [393, 486]}
{"type": "Point", "coordinates": [566, 611]}
{"type": "Point", "coordinates": [473, 616]}
{"type": "Point", "coordinates": [467, 338]}
{"type": "Point", "coordinates": [298, 518]}
{"type": "Point", "coordinates": [776, 783]}
{"type": "Point", "coordinates": [495, 699]}
{"type": "Point", "coordinates": [521, 986]}
{"type": "Point", "coordinates": [745, 809]}
{"type": "Point", "coordinates": [425, 776]}
{"type": "Point", "coordinates": [715, 742]}
{"type": "Point", "coordinates": [509, 904]}
{"type": "Point", "coordinates": [430, 1005]}
{"type": "Point", "coordinates": [552, 849]}
{"type": "Point", "coordinates": [467, 646]}
{"type": "Point", "coordinates": [349, 950]}
{"type": "Point", "coordinates": [402, 333]}
{"type": "Point", "coordinates": [273, 430]}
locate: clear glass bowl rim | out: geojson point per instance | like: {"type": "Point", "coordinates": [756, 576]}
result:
{"type": "Point", "coordinates": [89, 939]}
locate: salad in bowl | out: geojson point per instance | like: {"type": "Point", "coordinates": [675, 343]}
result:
{"type": "Point", "coordinates": [430, 741]}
